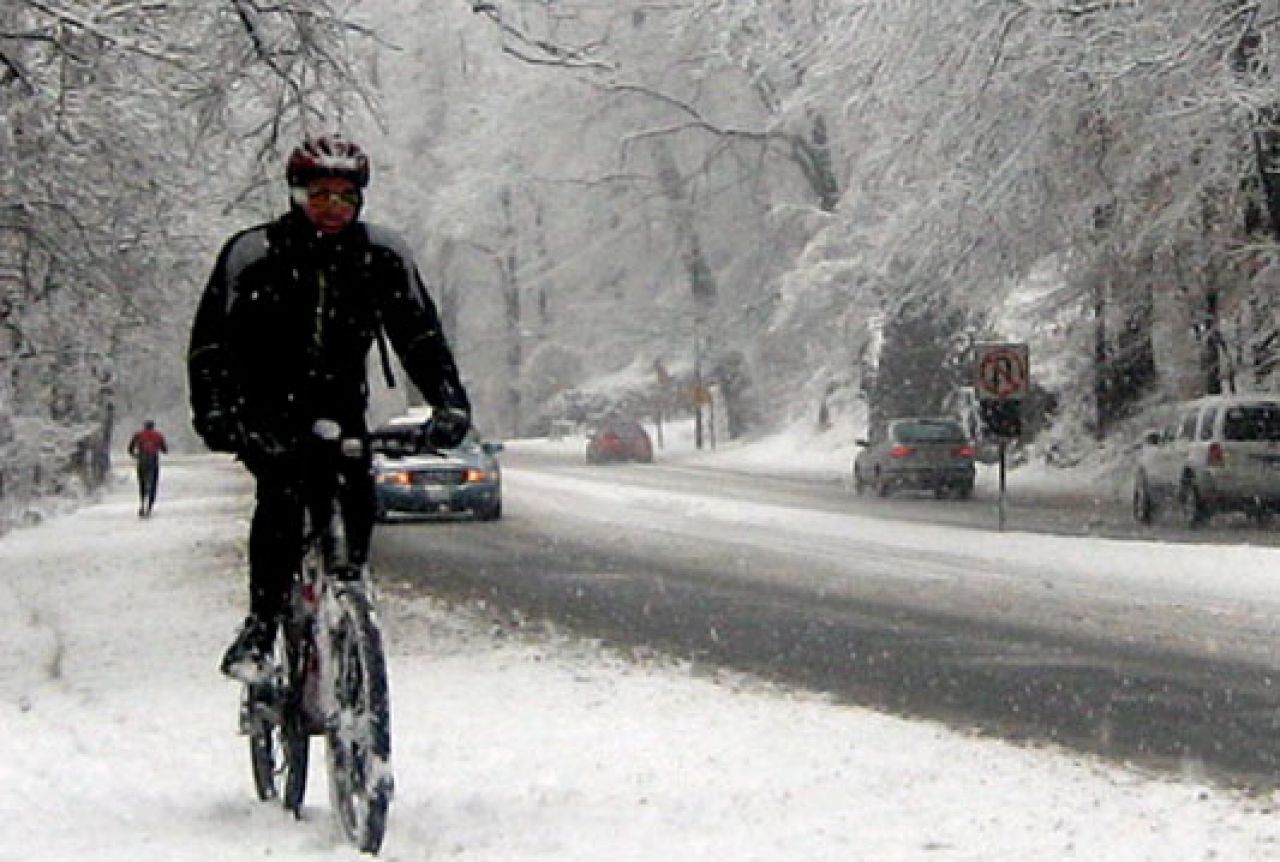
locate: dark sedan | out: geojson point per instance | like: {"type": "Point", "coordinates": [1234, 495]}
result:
{"type": "Point", "coordinates": [922, 453]}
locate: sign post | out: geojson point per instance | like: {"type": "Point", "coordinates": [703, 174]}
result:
{"type": "Point", "coordinates": [1002, 374]}
{"type": "Point", "coordinates": [665, 387]}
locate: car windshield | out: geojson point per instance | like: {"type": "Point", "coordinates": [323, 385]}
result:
{"type": "Point", "coordinates": [926, 431]}
{"type": "Point", "coordinates": [395, 440]}
{"type": "Point", "coordinates": [1252, 422]}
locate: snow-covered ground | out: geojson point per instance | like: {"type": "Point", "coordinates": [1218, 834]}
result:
{"type": "Point", "coordinates": [117, 736]}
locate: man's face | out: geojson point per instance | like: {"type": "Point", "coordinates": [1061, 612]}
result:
{"type": "Point", "coordinates": [331, 204]}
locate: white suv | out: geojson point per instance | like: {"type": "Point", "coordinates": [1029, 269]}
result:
{"type": "Point", "coordinates": [1220, 453]}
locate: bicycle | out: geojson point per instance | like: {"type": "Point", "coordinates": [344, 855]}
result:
{"type": "Point", "coordinates": [329, 679]}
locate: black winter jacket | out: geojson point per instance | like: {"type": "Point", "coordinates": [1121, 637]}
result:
{"type": "Point", "coordinates": [283, 330]}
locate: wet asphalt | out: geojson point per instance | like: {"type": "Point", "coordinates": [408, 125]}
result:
{"type": "Point", "coordinates": [1170, 709]}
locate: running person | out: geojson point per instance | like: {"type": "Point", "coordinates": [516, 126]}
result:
{"type": "Point", "coordinates": [145, 446]}
{"type": "Point", "coordinates": [280, 339]}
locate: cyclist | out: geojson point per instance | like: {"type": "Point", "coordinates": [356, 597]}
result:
{"type": "Point", "coordinates": [145, 447]}
{"type": "Point", "coordinates": [280, 339]}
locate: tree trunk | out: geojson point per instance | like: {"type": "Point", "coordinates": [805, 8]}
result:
{"type": "Point", "coordinates": [12, 250]}
{"type": "Point", "coordinates": [1133, 366]}
{"type": "Point", "coordinates": [510, 285]}
{"type": "Point", "coordinates": [1101, 374]}
{"type": "Point", "coordinates": [1212, 344]}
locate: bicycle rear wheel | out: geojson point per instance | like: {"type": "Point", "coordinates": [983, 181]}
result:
{"type": "Point", "coordinates": [279, 745]}
{"type": "Point", "coordinates": [359, 737]}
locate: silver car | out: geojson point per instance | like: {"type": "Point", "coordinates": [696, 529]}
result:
{"type": "Point", "coordinates": [411, 477]}
{"type": "Point", "coordinates": [1220, 453]}
{"type": "Point", "coordinates": [918, 453]}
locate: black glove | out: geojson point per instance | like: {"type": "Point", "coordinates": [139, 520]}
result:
{"type": "Point", "coordinates": [220, 431]}
{"type": "Point", "coordinates": [447, 427]}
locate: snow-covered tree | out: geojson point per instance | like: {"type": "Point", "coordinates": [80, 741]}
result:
{"type": "Point", "coordinates": [129, 130]}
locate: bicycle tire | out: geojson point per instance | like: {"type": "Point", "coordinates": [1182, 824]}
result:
{"type": "Point", "coordinates": [295, 734]}
{"type": "Point", "coordinates": [359, 737]}
{"type": "Point", "coordinates": [279, 745]}
{"type": "Point", "coordinates": [265, 744]}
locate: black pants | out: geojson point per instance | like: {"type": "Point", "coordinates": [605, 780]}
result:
{"type": "Point", "coordinates": [148, 480]}
{"type": "Point", "coordinates": [288, 488]}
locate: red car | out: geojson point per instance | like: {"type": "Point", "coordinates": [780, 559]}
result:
{"type": "Point", "coordinates": [619, 440]}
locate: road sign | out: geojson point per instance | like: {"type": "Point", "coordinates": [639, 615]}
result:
{"type": "Point", "coordinates": [1001, 371]}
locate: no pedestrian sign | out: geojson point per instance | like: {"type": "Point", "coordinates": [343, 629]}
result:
{"type": "Point", "coordinates": [1001, 371]}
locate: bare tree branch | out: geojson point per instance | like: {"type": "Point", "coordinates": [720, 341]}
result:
{"type": "Point", "coordinates": [530, 49]}
{"type": "Point", "coordinates": [64, 16]}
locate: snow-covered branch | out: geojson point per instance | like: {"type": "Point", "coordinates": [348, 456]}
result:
{"type": "Point", "coordinates": [519, 43]}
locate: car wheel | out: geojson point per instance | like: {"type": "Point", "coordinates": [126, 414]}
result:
{"type": "Point", "coordinates": [859, 486]}
{"type": "Point", "coordinates": [881, 485]}
{"type": "Point", "coordinates": [964, 490]}
{"type": "Point", "coordinates": [1194, 511]}
{"type": "Point", "coordinates": [1142, 508]}
{"type": "Point", "coordinates": [491, 512]}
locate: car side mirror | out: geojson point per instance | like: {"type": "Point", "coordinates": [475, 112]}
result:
{"type": "Point", "coordinates": [861, 442]}
{"type": "Point", "coordinates": [492, 448]}
{"type": "Point", "coordinates": [1151, 438]}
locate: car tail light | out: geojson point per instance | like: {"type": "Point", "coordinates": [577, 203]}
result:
{"type": "Point", "coordinates": [901, 452]}
{"type": "Point", "coordinates": [963, 452]}
{"type": "Point", "coordinates": [400, 477]}
{"type": "Point", "coordinates": [475, 474]}
{"type": "Point", "coordinates": [1217, 455]}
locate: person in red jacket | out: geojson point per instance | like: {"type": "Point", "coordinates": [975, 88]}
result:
{"type": "Point", "coordinates": [145, 446]}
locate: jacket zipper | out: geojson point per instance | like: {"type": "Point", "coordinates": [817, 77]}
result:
{"type": "Point", "coordinates": [317, 337]}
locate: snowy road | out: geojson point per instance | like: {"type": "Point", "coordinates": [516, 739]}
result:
{"type": "Point", "coordinates": [1145, 651]}
{"type": "Point", "coordinates": [1098, 508]}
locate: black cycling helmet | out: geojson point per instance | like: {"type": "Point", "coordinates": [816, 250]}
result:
{"type": "Point", "coordinates": [327, 156]}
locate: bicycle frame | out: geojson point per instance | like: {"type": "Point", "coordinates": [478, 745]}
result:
{"type": "Point", "coordinates": [310, 609]}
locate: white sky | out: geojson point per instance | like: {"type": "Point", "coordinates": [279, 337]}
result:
{"type": "Point", "coordinates": [118, 737]}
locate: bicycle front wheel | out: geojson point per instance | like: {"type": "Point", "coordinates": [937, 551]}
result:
{"type": "Point", "coordinates": [278, 738]}
{"type": "Point", "coordinates": [359, 736]}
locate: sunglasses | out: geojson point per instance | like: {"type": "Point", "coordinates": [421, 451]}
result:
{"type": "Point", "coordinates": [320, 197]}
